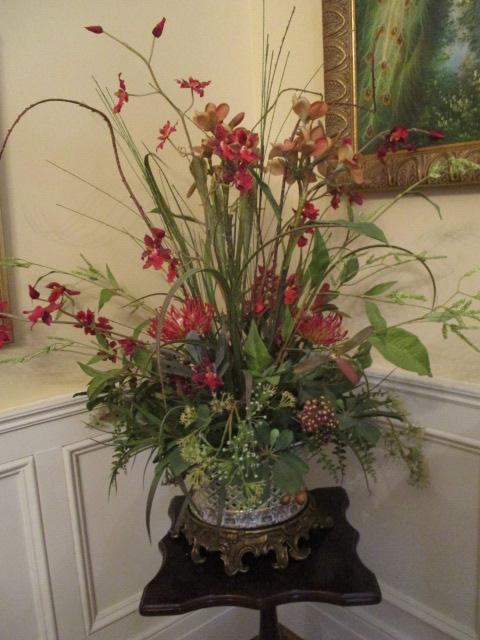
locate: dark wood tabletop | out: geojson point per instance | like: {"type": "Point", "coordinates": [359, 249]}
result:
{"type": "Point", "coordinates": [333, 573]}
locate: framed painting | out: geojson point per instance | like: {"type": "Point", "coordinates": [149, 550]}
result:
{"type": "Point", "coordinates": [406, 63]}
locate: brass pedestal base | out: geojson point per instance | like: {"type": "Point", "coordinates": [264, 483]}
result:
{"type": "Point", "coordinates": [233, 543]}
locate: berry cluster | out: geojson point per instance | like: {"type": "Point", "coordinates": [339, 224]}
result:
{"type": "Point", "coordinates": [318, 419]}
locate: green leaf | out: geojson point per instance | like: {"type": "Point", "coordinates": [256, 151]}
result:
{"type": "Point", "coordinates": [143, 360]}
{"type": "Point", "coordinates": [274, 433]}
{"type": "Point", "coordinates": [284, 440]}
{"type": "Point", "coordinates": [377, 321]}
{"type": "Point", "coordinates": [178, 465]}
{"type": "Point", "coordinates": [105, 296]}
{"type": "Point", "coordinates": [320, 260]}
{"type": "Point", "coordinates": [287, 324]}
{"type": "Point", "coordinates": [268, 194]}
{"type": "Point", "coordinates": [263, 433]}
{"type": "Point", "coordinates": [378, 289]}
{"type": "Point", "coordinates": [368, 229]}
{"type": "Point", "coordinates": [440, 316]}
{"type": "Point", "coordinates": [111, 278]}
{"type": "Point", "coordinates": [257, 356]}
{"type": "Point", "coordinates": [368, 432]}
{"type": "Point", "coordinates": [403, 349]}
{"type": "Point", "coordinates": [363, 228]}
{"type": "Point", "coordinates": [288, 471]}
{"type": "Point", "coordinates": [350, 269]}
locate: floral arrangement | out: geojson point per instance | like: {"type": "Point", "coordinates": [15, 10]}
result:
{"type": "Point", "coordinates": [248, 370]}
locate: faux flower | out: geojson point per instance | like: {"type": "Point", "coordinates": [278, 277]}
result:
{"type": "Point", "coordinates": [321, 330]}
{"type": "Point", "coordinates": [95, 29]}
{"type": "Point", "coordinates": [59, 290]}
{"type": "Point", "coordinates": [42, 314]}
{"type": "Point", "coordinates": [165, 133]}
{"type": "Point", "coordinates": [91, 326]}
{"type": "Point", "coordinates": [121, 94]}
{"type": "Point", "coordinates": [193, 315]}
{"type": "Point", "coordinates": [158, 28]}
{"type": "Point", "coordinates": [195, 86]}
{"type": "Point", "coordinates": [307, 110]}
{"type": "Point", "coordinates": [155, 254]}
{"type": "Point", "coordinates": [205, 375]}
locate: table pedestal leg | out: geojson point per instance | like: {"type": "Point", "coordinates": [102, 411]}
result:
{"type": "Point", "coordinates": [269, 629]}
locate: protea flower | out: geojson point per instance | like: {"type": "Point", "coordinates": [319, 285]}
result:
{"type": "Point", "coordinates": [322, 330]}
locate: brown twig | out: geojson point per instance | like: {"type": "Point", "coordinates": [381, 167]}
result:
{"type": "Point", "coordinates": [113, 140]}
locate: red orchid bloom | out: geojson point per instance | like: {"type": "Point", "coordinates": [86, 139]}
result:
{"type": "Point", "coordinates": [165, 133]}
{"type": "Point", "coordinates": [33, 293]}
{"type": "Point", "coordinates": [121, 94]}
{"type": "Point", "coordinates": [155, 254]}
{"type": "Point", "coordinates": [59, 290]}
{"type": "Point", "coordinates": [43, 314]}
{"type": "Point", "coordinates": [158, 28]}
{"type": "Point", "coordinates": [129, 345]}
{"type": "Point", "coordinates": [193, 315]}
{"type": "Point", "coordinates": [436, 135]}
{"type": "Point", "coordinates": [321, 330]}
{"type": "Point", "coordinates": [398, 134]}
{"type": "Point", "coordinates": [86, 321]}
{"type": "Point", "coordinates": [195, 86]}
{"type": "Point", "coordinates": [206, 376]}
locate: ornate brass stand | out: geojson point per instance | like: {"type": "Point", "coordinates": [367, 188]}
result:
{"type": "Point", "coordinates": [233, 543]}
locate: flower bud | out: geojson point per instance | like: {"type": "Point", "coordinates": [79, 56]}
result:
{"type": "Point", "coordinates": [95, 29]}
{"type": "Point", "coordinates": [158, 28]}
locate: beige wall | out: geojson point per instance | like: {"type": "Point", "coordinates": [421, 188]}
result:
{"type": "Point", "coordinates": [45, 52]}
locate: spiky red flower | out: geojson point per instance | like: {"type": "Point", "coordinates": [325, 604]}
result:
{"type": "Point", "coordinates": [193, 315]}
{"type": "Point", "coordinates": [158, 28]}
{"type": "Point", "coordinates": [195, 86]}
{"type": "Point", "coordinates": [205, 375]}
{"type": "Point", "coordinates": [321, 330]}
{"type": "Point", "coordinates": [121, 94]}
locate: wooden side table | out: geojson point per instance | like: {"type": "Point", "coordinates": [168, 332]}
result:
{"type": "Point", "coordinates": [333, 573]}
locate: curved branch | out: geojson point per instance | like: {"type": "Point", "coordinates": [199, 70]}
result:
{"type": "Point", "coordinates": [112, 137]}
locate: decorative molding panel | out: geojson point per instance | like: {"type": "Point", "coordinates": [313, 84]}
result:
{"type": "Point", "coordinates": [24, 472]}
{"type": "Point", "coordinates": [41, 412]}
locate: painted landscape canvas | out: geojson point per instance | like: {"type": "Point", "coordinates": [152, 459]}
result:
{"type": "Point", "coordinates": [427, 66]}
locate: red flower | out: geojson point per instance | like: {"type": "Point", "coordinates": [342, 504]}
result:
{"type": "Point", "coordinates": [59, 290]}
{"type": "Point", "coordinates": [292, 290]}
{"type": "Point", "coordinates": [129, 345]}
{"type": "Point", "coordinates": [309, 212]}
{"type": "Point", "coordinates": [158, 28]}
{"type": "Point", "coordinates": [195, 86]}
{"type": "Point", "coordinates": [155, 253]}
{"type": "Point", "coordinates": [321, 298]}
{"type": "Point", "coordinates": [94, 29]}
{"type": "Point", "coordinates": [172, 272]}
{"type": "Point", "coordinates": [243, 180]}
{"type": "Point", "coordinates": [33, 293]}
{"type": "Point", "coordinates": [165, 132]}
{"type": "Point", "coordinates": [355, 197]}
{"type": "Point", "coordinates": [302, 242]}
{"type": "Point", "coordinates": [264, 291]}
{"type": "Point", "coordinates": [193, 315]}
{"type": "Point", "coordinates": [436, 135]}
{"type": "Point", "coordinates": [4, 335]}
{"type": "Point", "coordinates": [398, 134]}
{"type": "Point", "coordinates": [121, 94]}
{"type": "Point", "coordinates": [206, 376]}
{"type": "Point", "coordinates": [321, 330]}
{"type": "Point", "coordinates": [87, 322]}
{"type": "Point", "coordinates": [42, 313]}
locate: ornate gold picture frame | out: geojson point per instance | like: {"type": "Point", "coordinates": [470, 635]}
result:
{"type": "Point", "coordinates": [403, 168]}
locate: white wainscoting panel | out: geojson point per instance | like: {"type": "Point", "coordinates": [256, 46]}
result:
{"type": "Point", "coordinates": [74, 561]}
